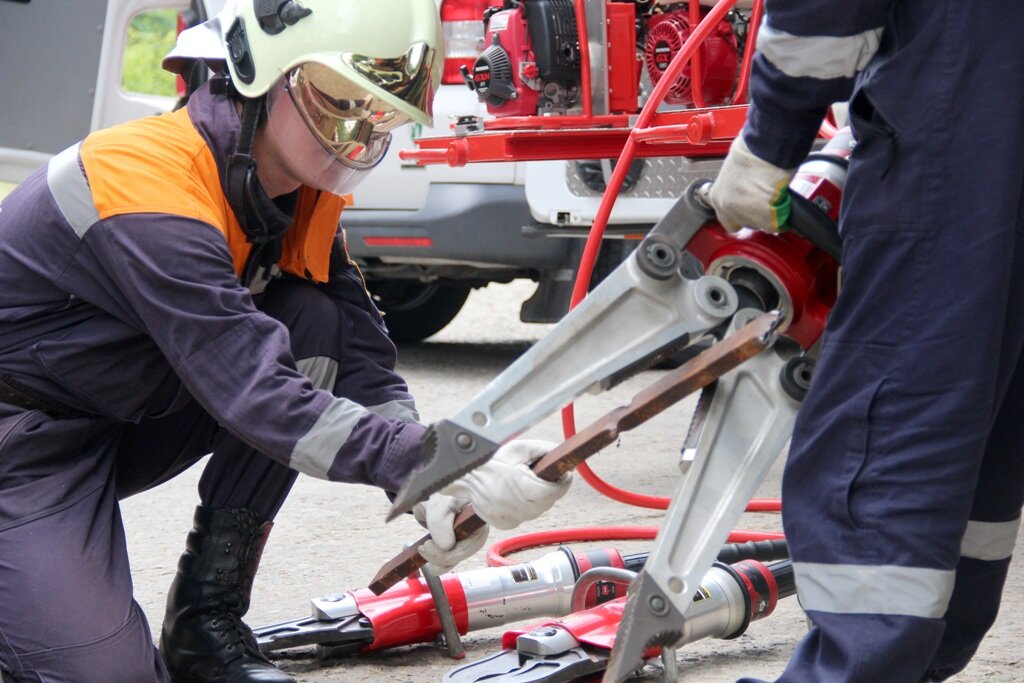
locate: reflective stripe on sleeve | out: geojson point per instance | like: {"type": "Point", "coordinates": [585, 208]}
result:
{"type": "Point", "coordinates": [314, 453]}
{"type": "Point", "coordinates": [402, 409]}
{"type": "Point", "coordinates": [820, 57]}
{"type": "Point", "coordinates": [71, 192]}
{"type": "Point", "coordinates": [322, 371]}
{"type": "Point", "coordinates": [990, 541]}
{"type": "Point", "coordinates": [873, 589]}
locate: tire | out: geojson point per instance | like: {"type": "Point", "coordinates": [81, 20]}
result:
{"type": "Point", "coordinates": [415, 310]}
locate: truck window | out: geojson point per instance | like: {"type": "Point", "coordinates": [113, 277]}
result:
{"type": "Point", "coordinates": [151, 35]}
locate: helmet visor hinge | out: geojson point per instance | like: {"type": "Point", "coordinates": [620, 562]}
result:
{"type": "Point", "coordinates": [239, 52]}
{"type": "Point", "coordinates": [275, 16]}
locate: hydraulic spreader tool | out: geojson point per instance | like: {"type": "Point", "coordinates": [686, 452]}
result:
{"type": "Point", "coordinates": [688, 280]}
{"type": "Point", "coordinates": [563, 79]}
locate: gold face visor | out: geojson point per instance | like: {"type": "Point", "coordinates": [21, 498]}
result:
{"type": "Point", "coordinates": [349, 122]}
{"type": "Point", "coordinates": [407, 77]}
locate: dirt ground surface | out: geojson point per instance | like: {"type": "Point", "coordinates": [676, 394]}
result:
{"type": "Point", "coordinates": [330, 538]}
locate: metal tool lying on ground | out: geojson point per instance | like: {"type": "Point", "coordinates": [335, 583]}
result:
{"type": "Point", "coordinates": [727, 600]}
{"type": "Point", "coordinates": [359, 621]}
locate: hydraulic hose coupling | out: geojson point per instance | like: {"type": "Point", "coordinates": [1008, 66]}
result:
{"type": "Point", "coordinates": [822, 177]}
{"type": "Point", "coordinates": [730, 597]}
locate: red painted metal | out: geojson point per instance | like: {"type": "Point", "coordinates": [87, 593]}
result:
{"type": "Point", "coordinates": [748, 54]}
{"type": "Point", "coordinates": [595, 627]}
{"type": "Point", "coordinates": [602, 589]}
{"type": "Point", "coordinates": [460, 11]}
{"type": "Point", "coordinates": [406, 614]}
{"type": "Point", "coordinates": [589, 136]}
{"type": "Point", "coordinates": [512, 34]}
{"type": "Point", "coordinates": [527, 123]}
{"type": "Point", "coordinates": [692, 133]}
{"type": "Point", "coordinates": [761, 604]}
{"type": "Point", "coordinates": [697, 61]}
{"type": "Point", "coordinates": [623, 66]}
{"type": "Point", "coordinates": [807, 274]}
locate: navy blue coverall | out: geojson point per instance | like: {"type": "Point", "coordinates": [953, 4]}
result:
{"type": "Point", "coordinates": [123, 314]}
{"type": "Point", "coordinates": [903, 489]}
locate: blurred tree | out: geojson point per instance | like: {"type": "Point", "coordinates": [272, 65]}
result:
{"type": "Point", "coordinates": [151, 35]}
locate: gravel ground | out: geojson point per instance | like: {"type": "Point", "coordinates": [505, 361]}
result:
{"type": "Point", "coordinates": [330, 538]}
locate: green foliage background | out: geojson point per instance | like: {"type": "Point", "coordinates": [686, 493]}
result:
{"type": "Point", "coordinates": [151, 35]}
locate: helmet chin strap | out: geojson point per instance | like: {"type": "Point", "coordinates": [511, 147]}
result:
{"type": "Point", "coordinates": [242, 180]}
{"type": "Point", "coordinates": [262, 231]}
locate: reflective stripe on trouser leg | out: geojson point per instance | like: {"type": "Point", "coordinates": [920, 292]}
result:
{"type": "Point", "coordinates": [888, 448]}
{"type": "Point", "coordinates": [991, 534]}
{"type": "Point", "coordinates": [873, 589]}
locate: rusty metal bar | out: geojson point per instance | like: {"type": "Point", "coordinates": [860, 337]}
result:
{"type": "Point", "coordinates": [699, 372]}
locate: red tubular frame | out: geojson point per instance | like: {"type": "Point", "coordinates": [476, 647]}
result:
{"type": "Point", "coordinates": [590, 136]}
{"type": "Point", "coordinates": [584, 38]}
{"type": "Point", "coordinates": [748, 54]}
{"type": "Point", "coordinates": [696, 63]}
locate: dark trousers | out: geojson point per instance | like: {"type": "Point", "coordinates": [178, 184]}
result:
{"type": "Point", "coordinates": [914, 424]}
{"type": "Point", "coordinates": [66, 607]}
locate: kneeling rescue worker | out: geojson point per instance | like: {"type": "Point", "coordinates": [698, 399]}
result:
{"type": "Point", "coordinates": [177, 286]}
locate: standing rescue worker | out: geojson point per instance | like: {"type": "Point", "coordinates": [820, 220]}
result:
{"type": "Point", "coordinates": [904, 484]}
{"type": "Point", "coordinates": [176, 286]}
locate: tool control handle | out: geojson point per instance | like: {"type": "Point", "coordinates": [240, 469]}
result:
{"type": "Point", "coordinates": [805, 219]}
{"type": "Point", "coordinates": [815, 226]}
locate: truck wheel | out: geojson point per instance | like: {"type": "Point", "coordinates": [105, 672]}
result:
{"type": "Point", "coordinates": [415, 310]}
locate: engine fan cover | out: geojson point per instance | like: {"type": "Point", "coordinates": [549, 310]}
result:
{"type": "Point", "coordinates": [666, 34]}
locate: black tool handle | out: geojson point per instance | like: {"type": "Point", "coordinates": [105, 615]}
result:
{"type": "Point", "coordinates": [815, 226]}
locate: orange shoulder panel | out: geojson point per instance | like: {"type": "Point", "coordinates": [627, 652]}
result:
{"type": "Point", "coordinates": [160, 164]}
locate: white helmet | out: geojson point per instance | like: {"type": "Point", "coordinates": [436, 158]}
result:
{"type": "Point", "coordinates": [353, 69]}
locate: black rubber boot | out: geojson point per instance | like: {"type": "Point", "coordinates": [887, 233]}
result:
{"type": "Point", "coordinates": [203, 638]}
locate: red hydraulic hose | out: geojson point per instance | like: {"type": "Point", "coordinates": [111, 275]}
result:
{"type": "Point", "coordinates": [593, 245]}
{"type": "Point", "coordinates": [497, 554]}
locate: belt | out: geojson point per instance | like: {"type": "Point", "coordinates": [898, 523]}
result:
{"type": "Point", "coordinates": [23, 397]}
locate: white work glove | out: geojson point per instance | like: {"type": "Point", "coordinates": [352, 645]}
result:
{"type": "Point", "coordinates": [504, 491]}
{"type": "Point", "coordinates": [442, 552]}
{"type": "Point", "coordinates": [750, 192]}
